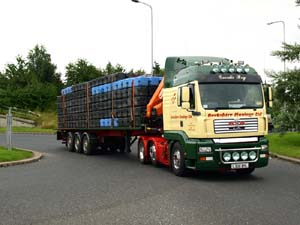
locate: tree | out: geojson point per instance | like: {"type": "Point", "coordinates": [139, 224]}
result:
{"type": "Point", "coordinates": [137, 72]}
{"type": "Point", "coordinates": [81, 71]}
{"type": "Point", "coordinates": [30, 83]}
{"type": "Point", "coordinates": [41, 67]}
{"type": "Point", "coordinates": [286, 110]}
{"type": "Point", "coordinates": [110, 69]}
{"type": "Point", "coordinates": [17, 75]}
{"type": "Point", "coordinates": [289, 52]}
{"type": "Point", "coordinates": [157, 70]}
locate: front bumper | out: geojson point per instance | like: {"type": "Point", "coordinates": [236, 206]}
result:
{"type": "Point", "coordinates": [213, 161]}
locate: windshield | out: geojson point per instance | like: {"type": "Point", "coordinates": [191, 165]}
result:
{"type": "Point", "coordinates": [231, 96]}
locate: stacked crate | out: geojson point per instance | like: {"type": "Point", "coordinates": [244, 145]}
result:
{"type": "Point", "coordinates": [111, 101]}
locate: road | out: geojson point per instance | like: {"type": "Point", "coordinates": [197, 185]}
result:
{"type": "Point", "coordinates": [71, 188]}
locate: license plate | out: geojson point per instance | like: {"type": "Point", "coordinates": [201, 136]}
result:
{"type": "Point", "coordinates": [240, 166]}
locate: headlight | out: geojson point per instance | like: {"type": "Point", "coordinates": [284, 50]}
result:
{"type": "Point", "coordinates": [264, 147]}
{"type": "Point", "coordinates": [252, 155]}
{"type": "Point", "coordinates": [244, 156]}
{"type": "Point", "coordinates": [215, 68]}
{"type": "Point", "coordinates": [224, 69]}
{"type": "Point", "coordinates": [226, 156]}
{"type": "Point", "coordinates": [204, 149]}
{"type": "Point", "coordinates": [235, 156]}
{"type": "Point", "coordinates": [231, 69]}
{"type": "Point", "coordinates": [246, 69]}
{"type": "Point", "coordinates": [239, 69]}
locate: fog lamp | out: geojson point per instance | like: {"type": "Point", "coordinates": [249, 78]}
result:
{"type": "Point", "coordinates": [235, 156]}
{"type": "Point", "coordinates": [226, 156]}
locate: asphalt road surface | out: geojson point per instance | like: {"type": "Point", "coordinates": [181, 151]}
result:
{"type": "Point", "coordinates": [71, 188]}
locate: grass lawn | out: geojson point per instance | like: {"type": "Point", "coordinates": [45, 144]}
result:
{"type": "Point", "coordinates": [29, 130]}
{"type": "Point", "coordinates": [287, 145]}
{"type": "Point", "coordinates": [13, 155]}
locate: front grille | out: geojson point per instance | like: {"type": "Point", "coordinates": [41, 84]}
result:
{"type": "Point", "coordinates": [222, 126]}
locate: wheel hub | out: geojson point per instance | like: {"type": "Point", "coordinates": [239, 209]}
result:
{"type": "Point", "coordinates": [85, 144]}
{"type": "Point", "coordinates": [141, 153]}
{"type": "Point", "coordinates": [176, 159]}
{"type": "Point", "coordinates": [152, 152]}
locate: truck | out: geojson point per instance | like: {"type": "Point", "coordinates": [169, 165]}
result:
{"type": "Point", "coordinates": [204, 114]}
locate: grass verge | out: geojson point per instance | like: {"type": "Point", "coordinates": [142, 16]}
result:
{"type": "Point", "coordinates": [13, 155]}
{"type": "Point", "coordinates": [29, 130]}
{"type": "Point", "coordinates": [287, 144]}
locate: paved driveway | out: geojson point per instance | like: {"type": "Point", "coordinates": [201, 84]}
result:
{"type": "Point", "coordinates": [71, 188]}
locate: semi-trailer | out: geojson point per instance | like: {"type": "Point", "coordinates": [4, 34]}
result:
{"type": "Point", "coordinates": [205, 113]}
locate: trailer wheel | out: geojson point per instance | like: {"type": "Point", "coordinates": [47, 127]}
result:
{"type": "Point", "coordinates": [70, 142]}
{"type": "Point", "coordinates": [177, 160]}
{"type": "Point", "coordinates": [141, 153]}
{"type": "Point", "coordinates": [152, 153]}
{"type": "Point", "coordinates": [77, 143]}
{"type": "Point", "coordinates": [88, 145]}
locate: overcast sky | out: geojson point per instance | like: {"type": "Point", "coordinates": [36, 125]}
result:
{"type": "Point", "coordinates": [119, 30]}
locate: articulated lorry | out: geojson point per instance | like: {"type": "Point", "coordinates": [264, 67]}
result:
{"type": "Point", "coordinates": [206, 113]}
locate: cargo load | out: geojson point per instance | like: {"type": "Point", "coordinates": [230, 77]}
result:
{"type": "Point", "coordinates": [112, 101]}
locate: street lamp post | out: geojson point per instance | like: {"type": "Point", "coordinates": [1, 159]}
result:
{"type": "Point", "coordinates": [137, 1]}
{"type": "Point", "coordinates": [283, 25]}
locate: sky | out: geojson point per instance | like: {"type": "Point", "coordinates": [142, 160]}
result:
{"type": "Point", "coordinates": [119, 31]}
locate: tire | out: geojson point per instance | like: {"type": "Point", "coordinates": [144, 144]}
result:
{"type": "Point", "coordinates": [70, 142]}
{"type": "Point", "coordinates": [141, 153]}
{"type": "Point", "coordinates": [77, 143]}
{"type": "Point", "coordinates": [245, 171]}
{"type": "Point", "coordinates": [88, 145]}
{"type": "Point", "coordinates": [152, 153]}
{"type": "Point", "coordinates": [177, 160]}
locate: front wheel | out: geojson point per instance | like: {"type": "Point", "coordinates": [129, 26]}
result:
{"type": "Point", "coordinates": [177, 160]}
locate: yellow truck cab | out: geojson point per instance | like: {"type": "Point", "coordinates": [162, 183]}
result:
{"type": "Point", "coordinates": [214, 115]}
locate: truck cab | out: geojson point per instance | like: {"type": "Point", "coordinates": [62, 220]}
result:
{"type": "Point", "coordinates": [214, 115]}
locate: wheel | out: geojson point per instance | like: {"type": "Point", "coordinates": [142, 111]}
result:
{"type": "Point", "coordinates": [152, 153]}
{"type": "Point", "coordinates": [70, 142]}
{"type": "Point", "coordinates": [141, 152]}
{"type": "Point", "coordinates": [88, 145]}
{"type": "Point", "coordinates": [177, 160]}
{"type": "Point", "coordinates": [77, 143]}
{"type": "Point", "coordinates": [119, 144]}
{"type": "Point", "coordinates": [245, 171]}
